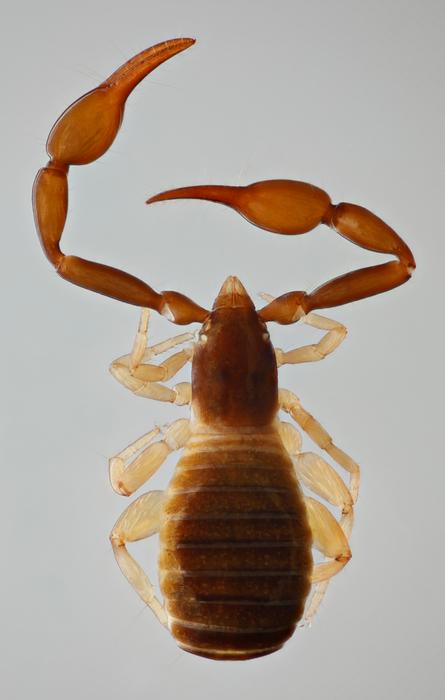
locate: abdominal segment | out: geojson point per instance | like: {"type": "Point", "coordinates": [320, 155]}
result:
{"type": "Point", "coordinates": [235, 560]}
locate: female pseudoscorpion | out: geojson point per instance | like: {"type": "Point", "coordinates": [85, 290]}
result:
{"type": "Point", "coordinates": [235, 530]}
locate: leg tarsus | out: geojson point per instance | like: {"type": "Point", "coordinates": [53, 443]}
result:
{"type": "Point", "coordinates": [315, 601]}
{"type": "Point", "coordinates": [331, 540]}
{"type": "Point", "coordinates": [139, 521]}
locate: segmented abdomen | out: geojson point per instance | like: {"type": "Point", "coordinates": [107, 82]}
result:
{"type": "Point", "coordinates": [235, 559]}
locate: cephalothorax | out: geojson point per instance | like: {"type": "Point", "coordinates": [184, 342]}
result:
{"type": "Point", "coordinates": [235, 529]}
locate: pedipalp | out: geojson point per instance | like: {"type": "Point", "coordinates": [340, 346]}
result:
{"type": "Point", "coordinates": [292, 207]}
{"type": "Point", "coordinates": [83, 133]}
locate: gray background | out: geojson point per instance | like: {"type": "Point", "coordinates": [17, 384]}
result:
{"type": "Point", "coordinates": [346, 95]}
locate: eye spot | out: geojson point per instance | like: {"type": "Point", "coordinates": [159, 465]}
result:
{"type": "Point", "coordinates": [203, 338]}
{"type": "Point", "coordinates": [266, 336]}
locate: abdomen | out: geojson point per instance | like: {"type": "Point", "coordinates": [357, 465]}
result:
{"type": "Point", "coordinates": [235, 559]}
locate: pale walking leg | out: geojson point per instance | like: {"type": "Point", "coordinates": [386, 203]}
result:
{"type": "Point", "coordinates": [290, 403]}
{"type": "Point", "coordinates": [143, 378]}
{"type": "Point", "coordinates": [335, 335]}
{"type": "Point", "coordinates": [314, 472]}
{"type": "Point", "coordinates": [140, 520]}
{"type": "Point", "coordinates": [134, 465]}
{"type": "Point", "coordinates": [321, 478]}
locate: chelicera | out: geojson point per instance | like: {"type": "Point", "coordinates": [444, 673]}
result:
{"type": "Point", "coordinates": [236, 531]}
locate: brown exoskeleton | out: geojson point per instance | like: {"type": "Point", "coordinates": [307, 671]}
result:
{"type": "Point", "coordinates": [235, 529]}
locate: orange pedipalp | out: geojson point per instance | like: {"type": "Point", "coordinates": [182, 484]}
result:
{"type": "Point", "coordinates": [292, 207]}
{"type": "Point", "coordinates": [279, 206]}
{"type": "Point", "coordinates": [81, 135]}
{"type": "Point", "coordinates": [86, 130]}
